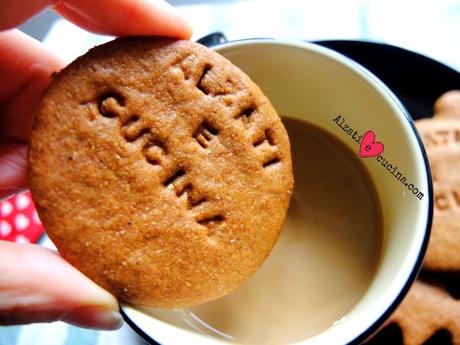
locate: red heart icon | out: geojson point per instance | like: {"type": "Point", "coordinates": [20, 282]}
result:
{"type": "Point", "coordinates": [369, 147]}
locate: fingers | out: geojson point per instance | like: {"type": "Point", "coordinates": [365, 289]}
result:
{"type": "Point", "coordinates": [25, 69]}
{"type": "Point", "coordinates": [114, 17]}
{"type": "Point", "coordinates": [21, 56]}
{"type": "Point", "coordinates": [37, 285]}
{"type": "Point", "coordinates": [14, 13]}
{"type": "Point", "coordinates": [126, 17]}
{"type": "Point", "coordinates": [13, 168]}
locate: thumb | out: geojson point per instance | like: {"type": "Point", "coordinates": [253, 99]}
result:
{"type": "Point", "coordinates": [37, 285]}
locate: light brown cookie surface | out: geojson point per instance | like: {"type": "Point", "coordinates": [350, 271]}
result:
{"type": "Point", "coordinates": [426, 310]}
{"type": "Point", "coordinates": [160, 170]}
{"type": "Point", "coordinates": [441, 137]}
{"type": "Point", "coordinates": [448, 105]}
{"type": "Point", "coordinates": [429, 314]}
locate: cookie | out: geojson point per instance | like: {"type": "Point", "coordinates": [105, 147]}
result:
{"type": "Point", "coordinates": [160, 170]}
{"type": "Point", "coordinates": [448, 105]}
{"type": "Point", "coordinates": [441, 137]}
{"type": "Point", "coordinates": [428, 314]}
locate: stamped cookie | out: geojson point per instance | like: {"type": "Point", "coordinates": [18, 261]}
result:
{"type": "Point", "coordinates": [448, 105]}
{"type": "Point", "coordinates": [160, 170]}
{"type": "Point", "coordinates": [428, 315]}
{"type": "Point", "coordinates": [441, 137]}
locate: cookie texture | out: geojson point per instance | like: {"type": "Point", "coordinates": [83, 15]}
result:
{"type": "Point", "coordinates": [160, 170]}
{"type": "Point", "coordinates": [441, 137]}
{"type": "Point", "coordinates": [428, 314]}
{"type": "Point", "coordinates": [448, 105]}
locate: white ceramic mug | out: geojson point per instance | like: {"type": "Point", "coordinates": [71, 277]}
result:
{"type": "Point", "coordinates": [317, 85]}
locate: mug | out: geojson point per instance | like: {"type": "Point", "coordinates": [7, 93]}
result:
{"type": "Point", "coordinates": [322, 87]}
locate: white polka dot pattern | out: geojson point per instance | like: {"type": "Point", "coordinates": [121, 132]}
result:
{"type": "Point", "coordinates": [6, 208]}
{"type": "Point", "coordinates": [22, 201]}
{"type": "Point", "coordinates": [21, 239]}
{"type": "Point", "coordinates": [19, 220]}
{"type": "Point", "coordinates": [5, 228]}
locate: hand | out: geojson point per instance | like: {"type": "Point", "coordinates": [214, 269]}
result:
{"type": "Point", "coordinates": [37, 285]}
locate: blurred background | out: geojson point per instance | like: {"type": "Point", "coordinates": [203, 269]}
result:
{"type": "Point", "coordinates": [428, 27]}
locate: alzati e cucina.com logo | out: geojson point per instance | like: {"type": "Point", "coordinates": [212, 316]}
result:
{"type": "Point", "coordinates": [369, 147]}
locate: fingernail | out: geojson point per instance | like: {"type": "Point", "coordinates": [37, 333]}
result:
{"type": "Point", "coordinates": [94, 317]}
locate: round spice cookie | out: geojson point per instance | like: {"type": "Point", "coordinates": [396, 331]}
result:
{"type": "Point", "coordinates": [441, 137]}
{"type": "Point", "coordinates": [160, 170]}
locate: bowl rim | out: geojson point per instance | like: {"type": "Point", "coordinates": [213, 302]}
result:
{"type": "Point", "coordinates": [417, 265]}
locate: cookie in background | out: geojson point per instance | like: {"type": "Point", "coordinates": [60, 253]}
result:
{"type": "Point", "coordinates": [430, 312]}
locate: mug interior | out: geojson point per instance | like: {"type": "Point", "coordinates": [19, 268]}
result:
{"type": "Point", "coordinates": [316, 85]}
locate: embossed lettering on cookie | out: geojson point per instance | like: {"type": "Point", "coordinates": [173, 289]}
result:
{"type": "Point", "coordinates": [160, 170]}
